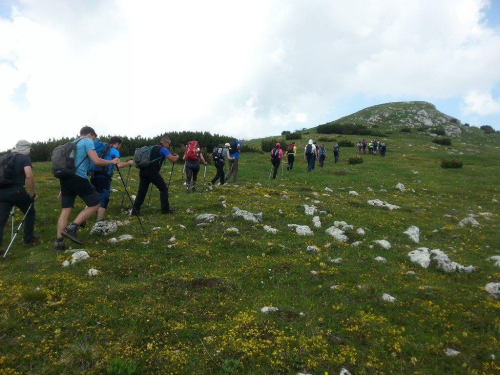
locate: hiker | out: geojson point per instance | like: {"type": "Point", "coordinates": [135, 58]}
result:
{"type": "Point", "coordinates": [382, 149]}
{"type": "Point", "coordinates": [291, 152]}
{"type": "Point", "coordinates": [234, 152]}
{"type": "Point", "coordinates": [336, 151]}
{"type": "Point", "coordinates": [16, 172]}
{"type": "Point", "coordinates": [101, 176]}
{"type": "Point", "coordinates": [192, 157]}
{"type": "Point", "coordinates": [77, 184]}
{"type": "Point", "coordinates": [363, 143]}
{"type": "Point", "coordinates": [375, 146]}
{"type": "Point", "coordinates": [150, 174]}
{"type": "Point", "coordinates": [322, 155]}
{"type": "Point", "coordinates": [219, 155]}
{"type": "Point", "coordinates": [276, 155]}
{"type": "Point", "coordinates": [310, 155]}
{"type": "Point", "coordinates": [359, 147]}
{"type": "Point", "coordinates": [370, 147]}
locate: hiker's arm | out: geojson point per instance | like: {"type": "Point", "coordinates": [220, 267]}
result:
{"type": "Point", "coordinates": [173, 158]}
{"type": "Point", "coordinates": [126, 164]}
{"type": "Point", "coordinates": [229, 156]}
{"type": "Point", "coordinates": [202, 159]}
{"type": "Point", "coordinates": [98, 161]}
{"type": "Point", "coordinates": [30, 181]}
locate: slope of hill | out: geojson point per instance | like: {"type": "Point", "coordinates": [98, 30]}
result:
{"type": "Point", "coordinates": [397, 115]}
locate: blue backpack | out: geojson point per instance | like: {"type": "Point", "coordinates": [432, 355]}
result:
{"type": "Point", "coordinates": [103, 151]}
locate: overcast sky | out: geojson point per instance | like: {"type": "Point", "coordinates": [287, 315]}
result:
{"type": "Point", "coordinates": [240, 68]}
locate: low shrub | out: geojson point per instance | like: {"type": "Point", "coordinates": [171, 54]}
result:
{"type": "Point", "coordinates": [451, 163]}
{"type": "Point", "coordinates": [247, 148]}
{"type": "Point", "coordinates": [439, 131]}
{"type": "Point", "coordinates": [294, 135]}
{"type": "Point", "coordinates": [444, 141]}
{"type": "Point", "coordinates": [268, 144]}
{"type": "Point", "coordinates": [326, 139]}
{"type": "Point", "coordinates": [285, 132]}
{"type": "Point", "coordinates": [422, 128]}
{"type": "Point", "coordinates": [346, 143]}
{"type": "Point", "coordinates": [405, 130]}
{"type": "Point", "coordinates": [488, 129]}
{"type": "Point", "coordinates": [355, 160]}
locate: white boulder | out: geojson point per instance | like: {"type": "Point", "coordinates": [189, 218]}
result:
{"type": "Point", "coordinates": [414, 233]}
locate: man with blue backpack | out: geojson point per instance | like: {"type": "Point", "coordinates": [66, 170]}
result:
{"type": "Point", "coordinates": [100, 176]}
{"type": "Point", "coordinates": [149, 160]}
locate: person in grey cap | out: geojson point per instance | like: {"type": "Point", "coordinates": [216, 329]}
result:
{"type": "Point", "coordinates": [17, 171]}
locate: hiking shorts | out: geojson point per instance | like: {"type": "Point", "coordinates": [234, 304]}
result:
{"type": "Point", "coordinates": [74, 186]}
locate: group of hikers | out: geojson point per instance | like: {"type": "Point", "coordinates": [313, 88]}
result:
{"type": "Point", "coordinates": [85, 168]}
{"type": "Point", "coordinates": [374, 146]}
{"type": "Point", "coordinates": [312, 152]}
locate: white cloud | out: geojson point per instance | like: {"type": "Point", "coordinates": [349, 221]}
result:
{"type": "Point", "coordinates": [244, 69]}
{"type": "Point", "coordinates": [481, 104]}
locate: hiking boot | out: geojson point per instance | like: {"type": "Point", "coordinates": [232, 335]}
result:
{"type": "Point", "coordinates": [210, 186]}
{"type": "Point", "coordinates": [194, 188]}
{"type": "Point", "coordinates": [84, 224]}
{"type": "Point", "coordinates": [133, 212]}
{"type": "Point", "coordinates": [34, 241]}
{"type": "Point", "coordinates": [70, 232]}
{"type": "Point", "coordinates": [60, 246]}
{"type": "Point", "coordinates": [187, 190]}
{"type": "Point", "coordinates": [168, 212]}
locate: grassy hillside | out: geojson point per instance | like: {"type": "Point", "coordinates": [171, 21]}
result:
{"type": "Point", "coordinates": [187, 299]}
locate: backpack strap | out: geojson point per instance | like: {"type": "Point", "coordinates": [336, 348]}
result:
{"type": "Point", "coordinates": [86, 156]}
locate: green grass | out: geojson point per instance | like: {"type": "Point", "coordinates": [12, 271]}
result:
{"type": "Point", "coordinates": [193, 306]}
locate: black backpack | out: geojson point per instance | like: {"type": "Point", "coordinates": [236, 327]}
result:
{"type": "Point", "coordinates": [218, 155]}
{"type": "Point", "coordinates": [309, 149]}
{"type": "Point", "coordinates": [103, 150]}
{"type": "Point", "coordinates": [63, 160]}
{"type": "Point", "coordinates": [7, 170]}
{"type": "Point", "coordinates": [233, 147]}
{"type": "Point", "coordinates": [275, 152]}
{"type": "Point", "coordinates": [336, 149]}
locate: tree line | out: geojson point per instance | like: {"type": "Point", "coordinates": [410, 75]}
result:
{"type": "Point", "coordinates": [43, 150]}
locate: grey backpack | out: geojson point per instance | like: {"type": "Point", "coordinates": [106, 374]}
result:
{"type": "Point", "coordinates": [63, 160]}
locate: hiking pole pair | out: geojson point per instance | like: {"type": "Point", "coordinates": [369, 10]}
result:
{"type": "Point", "coordinates": [18, 228]}
{"type": "Point", "coordinates": [126, 185]}
{"type": "Point", "coordinates": [130, 198]}
{"type": "Point", "coordinates": [183, 172]}
{"type": "Point", "coordinates": [12, 222]}
{"type": "Point", "coordinates": [204, 176]}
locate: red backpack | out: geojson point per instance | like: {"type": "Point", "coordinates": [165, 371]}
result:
{"type": "Point", "coordinates": [192, 151]}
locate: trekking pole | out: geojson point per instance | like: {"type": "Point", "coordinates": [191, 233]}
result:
{"type": "Point", "coordinates": [204, 176]}
{"type": "Point", "coordinates": [18, 228]}
{"type": "Point", "coordinates": [150, 190]}
{"type": "Point", "coordinates": [183, 172]}
{"type": "Point", "coordinates": [12, 222]}
{"type": "Point", "coordinates": [130, 198]}
{"type": "Point", "coordinates": [126, 185]}
{"type": "Point", "coordinates": [270, 172]}
{"type": "Point", "coordinates": [281, 169]}
{"type": "Point", "coordinates": [171, 173]}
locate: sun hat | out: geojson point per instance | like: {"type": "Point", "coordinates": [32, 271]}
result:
{"type": "Point", "coordinates": [227, 145]}
{"type": "Point", "coordinates": [22, 147]}
{"type": "Point", "coordinates": [278, 144]}
{"type": "Point", "coordinates": [310, 142]}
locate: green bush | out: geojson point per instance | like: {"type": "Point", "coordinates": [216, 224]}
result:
{"type": "Point", "coordinates": [405, 130]}
{"type": "Point", "coordinates": [451, 163]}
{"type": "Point", "coordinates": [422, 128]}
{"type": "Point", "coordinates": [346, 143]}
{"type": "Point", "coordinates": [355, 160]}
{"type": "Point", "coordinates": [247, 148]}
{"type": "Point", "coordinates": [285, 132]}
{"type": "Point", "coordinates": [121, 367]}
{"type": "Point", "coordinates": [439, 131]}
{"type": "Point", "coordinates": [326, 139]}
{"type": "Point", "coordinates": [294, 135]}
{"type": "Point", "coordinates": [268, 144]}
{"type": "Point", "coordinates": [444, 141]}
{"type": "Point", "coordinates": [487, 129]}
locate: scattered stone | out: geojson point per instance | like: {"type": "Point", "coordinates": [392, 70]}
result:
{"type": "Point", "coordinates": [328, 189]}
{"type": "Point", "coordinates": [268, 309]}
{"type": "Point", "coordinates": [317, 221]}
{"type": "Point", "coordinates": [189, 211]}
{"type": "Point", "coordinates": [337, 233]}
{"type": "Point", "coordinates": [312, 249]}
{"type": "Point", "coordinates": [451, 352]}
{"type": "Point", "coordinates": [182, 226]}
{"type": "Point", "coordinates": [379, 203]}
{"type": "Point", "coordinates": [388, 298]}
{"type": "Point", "coordinates": [123, 237]}
{"type": "Point", "coordinates": [414, 233]}
{"type": "Point", "coordinates": [342, 225]}
{"type": "Point", "coordinates": [385, 244]}
{"type": "Point", "coordinates": [360, 231]}
{"type": "Point", "coordinates": [255, 218]}
{"type": "Point", "coordinates": [344, 371]}
{"type": "Point", "coordinates": [123, 223]}
{"type": "Point", "coordinates": [356, 243]}
{"type": "Point", "coordinates": [493, 289]}
{"type": "Point", "coordinates": [336, 260]}
{"type": "Point", "coordinates": [411, 273]}
{"type": "Point", "coordinates": [400, 187]}
{"type": "Point", "coordinates": [206, 218]}
{"type": "Point", "coordinates": [381, 259]}
{"type": "Point", "coordinates": [285, 197]}
{"type": "Point", "coordinates": [233, 230]}
{"type": "Point", "coordinates": [222, 198]}
{"type": "Point", "coordinates": [79, 256]}
{"type": "Point", "coordinates": [314, 272]}
{"type": "Point", "coordinates": [424, 257]}
{"type": "Point", "coordinates": [269, 229]}
{"type": "Point", "coordinates": [334, 286]}
{"type": "Point", "coordinates": [468, 221]}
{"type": "Point", "coordinates": [352, 192]}
{"type": "Point", "coordinates": [156, 228]}
{"type": "Point", "coordinates": [310, 210]}
{"type": "Point", "coordinates": [302, 230]}
{"type": "Point", "coordinates": [66, 263]}
{"type": "Point", "coordinates": [172, 239]}
{"type": "Point", "coordinates": [497, 259]}
{"type": "Point", "coordinates": [93, 272]}
{"type": "Point", "coordinates": [104, 228]}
